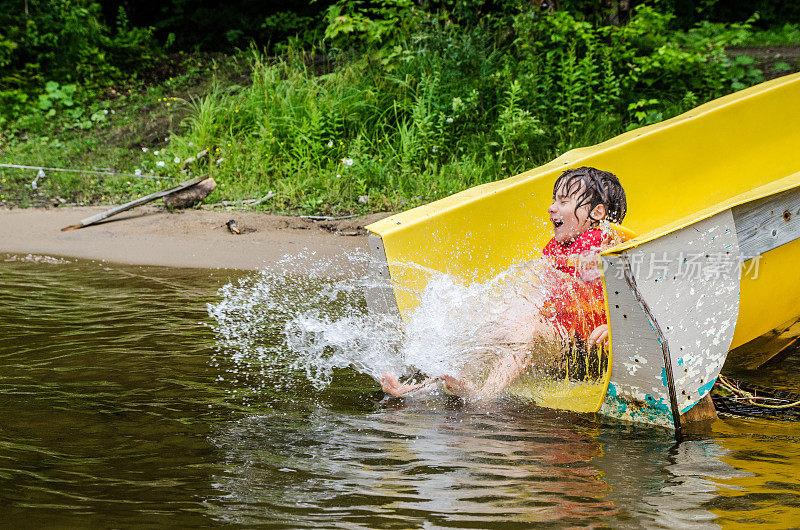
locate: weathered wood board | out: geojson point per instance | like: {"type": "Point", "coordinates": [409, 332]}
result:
{"type": "Point", "coordinates": [690, 281]}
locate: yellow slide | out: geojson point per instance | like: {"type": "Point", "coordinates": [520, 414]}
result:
{"type": "Point", "coordinates": [726, 170]}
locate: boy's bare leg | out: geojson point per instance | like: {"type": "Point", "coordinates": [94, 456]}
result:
{"type": "Point", "coordinates": [511, 363]}
{"type": "Point", "coordinates": [514, 357]}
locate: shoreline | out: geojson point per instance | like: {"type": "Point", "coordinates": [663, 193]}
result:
{"type": "Point", "coordinates": [151, 235]}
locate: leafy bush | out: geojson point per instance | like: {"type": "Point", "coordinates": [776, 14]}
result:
{"type": "Point", "coordinates": [398, 103]}
{"type": "Point", "coordinates": [63, 42]}
{"type": "Point", "coordinates": [572, 71]}
{"type": "Point", "coordinates": [785, 35]}
{"type": "Point", "coordinates": [376, 24]}
{"type": "Point", "coordinates": [448, 104]}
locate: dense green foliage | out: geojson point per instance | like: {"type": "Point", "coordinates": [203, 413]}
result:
{"type": "Point", "coordinates": [50, 50]}
{"type": "Point", "coordinates": [372, 105]}
{"type": "Point", "coordinates": [433, 106]}
{"type": "Point", "coordinates": [219, 26]}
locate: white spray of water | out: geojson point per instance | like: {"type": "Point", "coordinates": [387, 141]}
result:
{"type": "Point", "coordinates": [311, 317]}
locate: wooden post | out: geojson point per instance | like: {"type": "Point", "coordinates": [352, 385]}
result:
{"type": "Point", "coordinates": [703, 410]}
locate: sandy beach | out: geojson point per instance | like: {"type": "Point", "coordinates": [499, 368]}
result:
{"type": "Point", "coordinates": [184, 238]}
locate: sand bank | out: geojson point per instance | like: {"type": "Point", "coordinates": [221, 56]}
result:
{"type": "Point", "coordinates": [187, 238]}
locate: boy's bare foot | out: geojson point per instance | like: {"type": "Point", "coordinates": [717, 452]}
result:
{"type": "Point", "coordinates": [392, 385]}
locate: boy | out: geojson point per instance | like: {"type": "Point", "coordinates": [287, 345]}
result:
{"type": "Point", "coordinates": [582, 198]}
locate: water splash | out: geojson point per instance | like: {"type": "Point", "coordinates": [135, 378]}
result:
{"type": "Point", "coordinates": [310, 315]}
{"type": "Point", "coordinates": [36, 258]}
{"type": "Point", "coordinates": [457, 327]}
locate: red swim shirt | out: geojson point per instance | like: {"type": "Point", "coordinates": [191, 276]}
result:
{"type": "Point", "coordinates": [575, 301]}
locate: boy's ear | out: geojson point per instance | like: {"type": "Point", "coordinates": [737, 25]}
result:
{"type": "Point", "coordinates": [599, 212]}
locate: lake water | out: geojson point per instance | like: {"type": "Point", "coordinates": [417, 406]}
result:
{"type": "Point", "coordinates": [119, 407]}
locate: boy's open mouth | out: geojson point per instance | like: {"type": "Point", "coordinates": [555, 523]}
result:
{"type": "Point", "coordinates": [557, 222]}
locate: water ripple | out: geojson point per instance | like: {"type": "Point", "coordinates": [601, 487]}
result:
{"type": "Point", "coordinates": [117, 410]}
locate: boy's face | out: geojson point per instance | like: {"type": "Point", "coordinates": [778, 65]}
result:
{"type": "Point", "coordinates": [569, 223]}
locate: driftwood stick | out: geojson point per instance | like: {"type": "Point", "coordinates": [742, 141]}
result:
{"type": "Point", "coordinates": [262, 199]}
{"type": "Point", "coordinates": [248, 202]}
{"type": "Point", "coordinates": [226, 204]}
{"type": "Point", "coordinates": [133, 204]}
{"type": "Point", "coordinates": [325, 217]}
{"type": "Point", "coordinates": [192, 159]}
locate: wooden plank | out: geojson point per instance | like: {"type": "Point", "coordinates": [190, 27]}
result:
{"type": "Point", "coordinates": [696, 315]}
{"type": "Point", "coordinates": [133, 204]}
{"type": "Point", "coordinates": [755, 353]}
{"type": "Point", "coordinates": [767, 223]}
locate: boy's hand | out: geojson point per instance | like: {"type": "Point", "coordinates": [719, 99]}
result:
{"type": "Point", "coordinates": [600, 334]}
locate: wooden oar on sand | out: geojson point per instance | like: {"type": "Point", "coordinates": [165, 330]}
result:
{"type": "Point", "coordinates": [133, 204]}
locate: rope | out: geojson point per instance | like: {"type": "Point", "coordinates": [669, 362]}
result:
{"type": "Point", "coordinates": [750, 398]}
{"type": "Point", "coordinates": [110, 173]}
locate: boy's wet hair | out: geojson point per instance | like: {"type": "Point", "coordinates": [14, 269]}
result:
{"type": "Point", "coordinates": [594, 186]}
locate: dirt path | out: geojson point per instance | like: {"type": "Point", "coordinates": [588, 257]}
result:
{"type": "Point", "coordinates": [190, 238]}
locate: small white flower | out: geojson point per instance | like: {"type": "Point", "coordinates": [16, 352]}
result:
{"type": "Point", "coordinates": [449, 119]}
{"type": "Point", "coordinates": [137, 172]}
{"type": "Point", "coordinates": [347, 161]}
{"type": "Point", "coordinates": [330, 143]}
{"type": "Point", "coordinates": [144, 149]}
{"type": "Point", "coordinates": [338, 176]}
{"type": "Point", "coordinates": [105, 111]}
{"type": "Point", "coordinates": [433, 149]}
{"type": "Point", "coordinates": [113, 111]}
{"type": "Point", "coordinates": [191, 144]}
{"type": "Point", "coordinates": [160, 163]}
{"type": "Point", "coordinates": [155, 153]}
{"type": "Point", "coordinates": [176, 159]}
